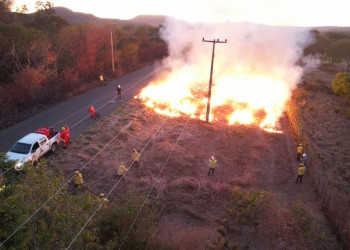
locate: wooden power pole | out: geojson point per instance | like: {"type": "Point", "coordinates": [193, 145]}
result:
{"type": "Point", "coordinates": [112, 52]}
{"type": "Point", "coordinates": [211, 74]}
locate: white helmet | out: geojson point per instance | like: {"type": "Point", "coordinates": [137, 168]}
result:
{"type": "Point", "coordinates": [304, 155]}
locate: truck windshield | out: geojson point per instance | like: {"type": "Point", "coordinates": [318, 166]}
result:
{"type": "Point", "coordinates": [21, 148]}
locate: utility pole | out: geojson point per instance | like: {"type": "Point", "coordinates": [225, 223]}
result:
{"type": "Point", "coordinates": [112, 51]}
{"type": "Point", "coordinates": [211, 74]}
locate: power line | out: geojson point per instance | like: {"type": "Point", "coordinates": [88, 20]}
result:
{"type": "Point", "coordinates": [149, 193]}
{"type": "Point", "coordinates": [28, 219]}
{"type": "Point", "coordinates": [65, 184]}
{"type": "Point", "coordinates": [94, 213]}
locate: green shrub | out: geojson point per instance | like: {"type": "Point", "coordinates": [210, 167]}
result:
{"type": "Point", "coordinates": [247, 207]}
{"type": "Point", "coordinates": [302, 219]}
{"type": "Point", "coordinates": [341, 84]}
{"type": "Point", "coordinates": [55, 225]}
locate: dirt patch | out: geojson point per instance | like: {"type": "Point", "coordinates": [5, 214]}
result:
{"type": "Point", "coordinates": [194, 214]}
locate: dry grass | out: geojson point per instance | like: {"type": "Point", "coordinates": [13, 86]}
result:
{"type": "Point", "coordinates": [324, 123]}
{"type": "Point", "coordinates": [193, 202]}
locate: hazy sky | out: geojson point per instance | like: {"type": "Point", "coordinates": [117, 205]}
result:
{"type": "Point", "coordinates": [271, 12]}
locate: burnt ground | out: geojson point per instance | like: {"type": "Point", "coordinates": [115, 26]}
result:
{"type": "Point", "coordinates": [194, 205]}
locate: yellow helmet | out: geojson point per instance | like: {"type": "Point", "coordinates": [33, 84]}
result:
{"type": "Point", "coordinates": [63, 128]}
{"type": "Point", "coordinates": [76, 172]}
{"type": "Point", "coordinates": [134, 150]}
{"type": "Point", "coordinates": [122, 163]}
{"type": "Point", "coordinates": [102, 195]}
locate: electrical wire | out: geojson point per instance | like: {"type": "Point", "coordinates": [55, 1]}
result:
{"type": "Point", "coordinates": [102, 202]}
{"type": "Point", "coordinates": [119, 180]}
{"type": "Point", "coordinates": [150, 191]}
{"type": "Point", "coordinates": [65, 184]}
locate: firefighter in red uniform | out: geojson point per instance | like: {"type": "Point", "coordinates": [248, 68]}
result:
{"type": "Point", "coordinates": [92, 112]}
{"type": "Point", "coordinates": [65, 134]}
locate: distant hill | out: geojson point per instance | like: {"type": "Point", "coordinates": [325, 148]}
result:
{"type": "Point", "coordinates": [152, 20]}
{"type": "Point", "coordinates": [79, 17]}
{"type": "Point", "coordinates": [149, 19]}
{"type": "Point", "coordinates": [333, 28]}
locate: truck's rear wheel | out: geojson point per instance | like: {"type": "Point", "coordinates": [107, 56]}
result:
{"type": "Point", "coordinates": [54, 147]}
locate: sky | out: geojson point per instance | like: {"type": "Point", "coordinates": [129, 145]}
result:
{"type": "Point", "coordinates": [307, 13]}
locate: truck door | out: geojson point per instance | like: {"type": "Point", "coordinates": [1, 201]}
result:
{"type": "Point", "coordinates": [44, 146]}
{"type": "Point", "coordinates": [35, 152]}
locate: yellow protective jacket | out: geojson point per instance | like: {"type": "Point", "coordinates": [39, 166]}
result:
{"type": "Point", "coordinates": [78, 179]}
{"type": "Point", "coordinates": [212, 163]}
{"type": "Point", "coordinates": [300, 150]}
{"type": "Point", "coordinates": [136, 156]}
{"type": "Point", "coordinates": [121, 169]}
{"type": "Point", "coordinates": [105, 200]}
{"type": "Point", "coordinates": [301, 170]}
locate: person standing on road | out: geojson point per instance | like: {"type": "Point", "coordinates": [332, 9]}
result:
{"type": "Point", "coordinates": [121, 169]}
{"type": "Point", "coordinates": [135, 157]}
{"type": "Point", "coordinates": [301, 171]}
{"type": "Point", "coordinates": [119, 91]}
{"type": "Point", "coordinates": [92, 112]}
{"type": "Point", "coordinates": [212, 165]}
{"type": "Point", "coordinates": [299, 152]}
{"type": "Point", "coordinates": [78, 179]}
{"type": "Point", "coordinates": [102, 80]}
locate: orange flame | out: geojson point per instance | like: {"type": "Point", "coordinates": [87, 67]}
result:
{"type": "Point", "coordinates": [239, 96]}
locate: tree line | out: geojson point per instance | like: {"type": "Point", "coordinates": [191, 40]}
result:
{"type": "Point", "coordinates": [45, 59]}
{"type": "Point", "coordinates": [332, 46]}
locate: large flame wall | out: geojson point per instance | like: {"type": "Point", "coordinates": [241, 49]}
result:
{"type": "Point", "coordinates": [254, 72]}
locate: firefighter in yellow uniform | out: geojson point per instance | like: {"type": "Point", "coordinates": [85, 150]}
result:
{"type": "Point", "coordinates": [301, 171]}
{"type": "Point", "coordinates": [102, 80]}
{"type": "Point", "coordinates": [121, 169]}
{"type": "Point", "coordinates": [104, 200]}
{"type": "Point", "coordinates": [212, 165]}
{"type": "Point", "coordinates": [299, 151]}
{"type": "Point", "coordinates": [135, 157]}
{"type": "Point", "coordinates": [78, 179]}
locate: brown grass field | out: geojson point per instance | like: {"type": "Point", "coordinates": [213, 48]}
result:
{"type": "Point", "coordinates": [251, 201]}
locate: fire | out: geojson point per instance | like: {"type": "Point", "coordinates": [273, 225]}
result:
{"type": "Point", "coordinates": [242, 117]}
{"type": "Point", "coordinates": [238, 97]}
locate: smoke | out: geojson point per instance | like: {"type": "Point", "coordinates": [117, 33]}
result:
{"type": "Point", "coordinates": [264, 49]}
{"type": "Point", "coordinates": [257, 67]}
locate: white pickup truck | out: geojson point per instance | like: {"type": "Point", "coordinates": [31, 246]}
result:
{"type": "Point", "coordinates": [31, 147]}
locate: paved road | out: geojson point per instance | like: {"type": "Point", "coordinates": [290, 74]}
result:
{"type": "Point", "coordinates": [74, 112]}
